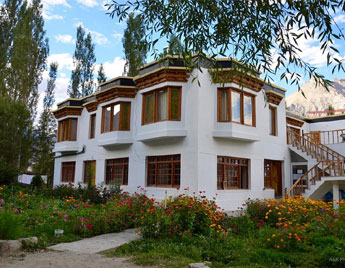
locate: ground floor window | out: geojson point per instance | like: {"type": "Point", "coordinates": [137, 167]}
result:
{"type": "Point", "coordinates": [116, 171]}
{"type": "Point", "coordinates": [232, 173]}
{"type": "Point", "coordinates": [67, 171]}
{"type": "Point", "coordinates": [164, 171]}
{"type": "Point", "coordinates": [90, 172]}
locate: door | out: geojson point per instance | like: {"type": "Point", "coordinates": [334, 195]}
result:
{"type": "Point", "coordinates": [273, 176]}
{"type": "Point", "coordinates": [90, 172]}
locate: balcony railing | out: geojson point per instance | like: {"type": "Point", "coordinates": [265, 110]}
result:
{"type": "Point", "coordinates": [327, 137]}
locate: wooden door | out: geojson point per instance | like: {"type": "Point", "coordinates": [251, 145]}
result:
{"type": "Point", "coordinates": [90, 172]}
{"type": "Point", "coordinates": [273, 176]}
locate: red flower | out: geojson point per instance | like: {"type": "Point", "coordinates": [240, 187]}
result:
{"type": "Point", "coordinates": [88, 226]}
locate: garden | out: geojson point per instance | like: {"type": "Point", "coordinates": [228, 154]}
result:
{"type": "Point", "coordinates": [175, 232]}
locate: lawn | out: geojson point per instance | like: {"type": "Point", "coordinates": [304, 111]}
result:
{"type": "Point", "coordinates": [272, 233]}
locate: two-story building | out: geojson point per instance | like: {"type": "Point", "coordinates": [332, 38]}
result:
{"type": "Point", "coordinates": [173, 130]}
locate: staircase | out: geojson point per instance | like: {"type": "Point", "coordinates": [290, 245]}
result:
{"type": "Point", "coordinates": [329, 163]}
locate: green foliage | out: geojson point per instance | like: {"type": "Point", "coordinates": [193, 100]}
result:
{"type": "Point", "coordinates": [262, 34]}
{"type": "Point", "coordinates": [84, 59]}
{"type": "Point", "coordinates": [330, 108]}
{"type": "Point", "coordinates": [134, 44]}
{"type": "Point", "coordinates": [15, 139]}
{"type": "Point", "coordinates": [101, 75]}
{"type": "Point", "coordinates": [11, 225]}
{"type": "Point", "coordinates": [37, 181]}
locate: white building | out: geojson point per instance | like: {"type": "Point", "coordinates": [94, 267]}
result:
{"type": "Point", "coordinates": [173, 131]}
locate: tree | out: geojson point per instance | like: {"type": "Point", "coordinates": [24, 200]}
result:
{"type": "Point", "coordinates": [134, 44]}
{"type": "Point", "coordinates": [174, 47]}
{"type": "Point", "coordinates": [46, 130]}
{"type": "Point", "coordinates": [84, 60]}
{"type": "Point", "coordinates": [101, 75]}
{"type": "Point", "coordinates": [23, 52]}
{"type": "Point", "coordinates": [262, 34]}
{"type": "Point", "coordinates": [330, 109]}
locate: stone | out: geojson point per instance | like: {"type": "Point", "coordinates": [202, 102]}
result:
{"type": "Point", "coordinates": [198, 265]}
{"type": "Point", "coordinates": [8, 247]}
{"type": "Point", "coordinates": [29, 241]}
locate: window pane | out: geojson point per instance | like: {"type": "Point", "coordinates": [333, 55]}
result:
{"type": "Point", "coordinates": [236, 106]}
{"type": "Point", "coordinates": [174, 105]}
{"type": "Point", "coordinates": [73, 129]}
{"type": "Point", "coordinates": [272, 119]}
{"type": "Point", "coordinates": [149, 108]}
{"type": "Point", "coordinates": [125, 115]}
{"type": "Point", "coordinates": [164, 174]}
{"type": "Point", "coordinates": [106, 123]}
{"type": "Point", "coordinates": [248, 110]}
{"type": "Point", "coordinates": [92, 126]}
{"type": "Point", "coordinates": [223, 102]}
{"type": "Point", "coordinates": [65, 130]}
{"type": "Point", "coordinates": [116, 117]}
{"type": "Point", "coordinates": [151, 180]}
{"type": "Point", "coordinates": [162, 104]}
{"type": "Point", "coordinates": [60, 131]}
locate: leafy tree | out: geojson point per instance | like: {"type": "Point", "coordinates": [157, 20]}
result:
{"type": "Point", "coordinates": [101, 75]}
{"type": "Point", "coordinates": [84, 59]}
{"type": "Point", "coordinates": [46, 130]}
{"type": "Point", "coordinates": [134, 44]}
{"type": "Point", "coordinates": [23, 52]}
{"type": "Point", "coordinates": [174, 47]}
{"type": "Point", "coordinates": [263, 34]}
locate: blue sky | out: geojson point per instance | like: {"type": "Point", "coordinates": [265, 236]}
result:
{"type": "Point", "coordinates": [63, 16]}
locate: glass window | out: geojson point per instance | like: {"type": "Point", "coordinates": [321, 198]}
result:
{"type": "Point", "coordinates": [272, 120]}
{"type": "Point", "coordinates": [149, 102]}
{"type": "Point", "coordinates": [116, 171]}
{"type": "Point", "coordinates": [232, 173]}
{"type": "Point", "coordinates": [116, 117]}
{"type": "Point", "coordinates": [223, 105]}
{"type": "Point", "coordinates": [164, 171]}
{"type": "Point", "coordinates": [67, 129]}
{"type": "Point", "coordinates": [67, 171]}
{"type": "Point", "coordinates": [248, 110]}
{"type": "Point", "coordinates": [92, 126]}
{"type": "Point", "coordinates": [162, 104]}
{"type": "Point", "coordinates": [235, 106]}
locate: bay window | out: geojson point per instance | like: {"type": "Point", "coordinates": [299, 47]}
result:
{"type": "Point", "coordinates": [116, 117]}
{"type": "Point", "coordinates": [67, 129]}
{"type": "Point", "coordinates": [162, 104]}
{"type": "Point", "coordinates": [236, 106]}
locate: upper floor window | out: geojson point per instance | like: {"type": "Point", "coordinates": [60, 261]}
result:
{"type": "Point", "coordinates": [162, 104]}
{"type": "Point", "coordinates": [273, 120]}
{"type": "Point", "coordinates": [92, 130]}
{"type": "Point", "coordinates": [116, 116]}
{"type": "Point", "coordinates": [232, 173]}
{"type": "Point", "coordinates": [116, 171]}
{"type": "Point", "coordinates": [236, 106]}
{"type": "Point", "coordinates": [67, 129]}
{"type": "Point", "coordinates": [164, 171]}
{"type": "Point", "coordinates": [67, 171]}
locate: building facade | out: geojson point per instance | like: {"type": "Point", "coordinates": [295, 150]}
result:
{"type": "Point", "coordinates": [173, 130]}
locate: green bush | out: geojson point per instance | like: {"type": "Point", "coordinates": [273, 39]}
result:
{"type": "Point", "coordinates": [11, 225]}
{"type": "Point", "coordinates": [37, 181]}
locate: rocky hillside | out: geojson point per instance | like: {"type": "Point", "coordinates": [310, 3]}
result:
{"type": "Point", "coordinates": [317, 98]}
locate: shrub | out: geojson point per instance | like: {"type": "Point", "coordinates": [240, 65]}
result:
{"type": "Point", "coordinates": [37, 181]}
{"type": "Point", "coordinates": [11, 226]}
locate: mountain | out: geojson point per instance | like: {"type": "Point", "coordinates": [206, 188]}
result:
{"type": "Point", "coordinates": [317, 98]}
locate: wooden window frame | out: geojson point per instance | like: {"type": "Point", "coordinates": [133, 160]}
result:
{"type": "Point", "coordinates": [92, 130]}
{"type": "Point", "coordinates": [123, 164]}
{"type": "Point", "coordinates": [229, 110]}
{"type": "Point", "coordinates": [64, 170]}
{"type": "Point", "coordinates": [112, 105]}
{"type": "Point", "coordinates": [62, 124]}
{"type": "Point", "coordinates": [239, 179]}
{"type": "Point", "coordinates": [155, 110]}
{"type": "Point", "coordinates": [85, 170]}
{"type": "Point", "coordinates": [273, 111]}
{"type": "Point", "coordinates": [156, 164]}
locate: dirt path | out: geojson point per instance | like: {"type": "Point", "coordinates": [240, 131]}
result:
{"type": "Point", "coordinates": [54, 259]}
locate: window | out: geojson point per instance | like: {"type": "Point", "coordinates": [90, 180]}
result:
{"type": "Point", "coordinates": [273, 120]}
{"type": "Point", "coordinates": [236, 106]}
{"type": "Point", "coordinates": [164, 171]}
{"type": "Point", "coordinates": [116, 171]}
{"type": "Point", "coordinates": [92, 126]}
{"type": "Point", "coordinates": [90, 172]}
{"type": "Point", "coordinates": [67, 172]}
{"type": "Point", "coordinates": [161, 105]}
{"type": "Point", "coordinates": [67, 129]}
{"type": "Point", "coordinates": [232, 173]}
{"type": "Point", "coordinates": [116, 117]}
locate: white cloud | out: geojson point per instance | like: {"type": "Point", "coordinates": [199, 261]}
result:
{"type": "Point", "coordinates": [339, 18]}
{"type": "Point", "coordinates": [64, 60]}
{"type": "Point", "coordinates": [118, 36]}
{"type": "Point", "coordinates": [46, 16]}
{"type": "Point", "coordinates": [104, 4]}
{"type": "Point", "coordinates": [48, 6]}
{"type": "Point", "coordinates": [64, 38]}
{"type": "Point", "coordinates": [88, 3]}
{"type": "Point", "coordinates": [112, 69]}
{"type": "Point", "coordinates": [98, 38]}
